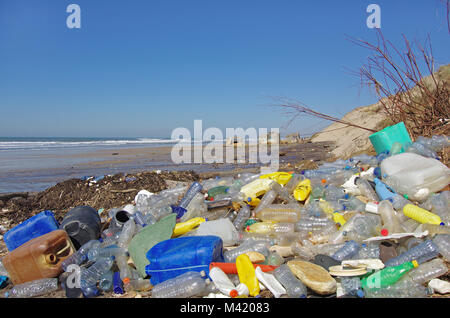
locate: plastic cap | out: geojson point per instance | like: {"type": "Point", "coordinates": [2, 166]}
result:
{"type": "Point", "coordinates": [234, 293]}
{"type": "Point", "coordinates": [360, 293]}
{"type": "Point", "coordinates": [384, 232]}
{"type": "Point", "coordinates": [126, 280]}
{"type": "Point", "coordinates": [415, 263]}
{"type": "Point", "coordinates": [442, 223]}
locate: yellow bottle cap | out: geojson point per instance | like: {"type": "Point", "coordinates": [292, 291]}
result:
{"type": "Point", "coordinates": [415, 263]}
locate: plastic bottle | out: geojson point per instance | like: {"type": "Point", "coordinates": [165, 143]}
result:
{"type": "Point", "coordinates": [382, 190]}
{"type": "Point", "coordinates": [124, 268]}
{"type": "Point", "coordinates": [388, 275]}
{"type": "Point", "coordinates": [434, 229]}
{"type": "Point", "coordinates": [333, 193]}
{"type": "Point", "coordinates": [191, 192]}
{"type": "Point", "coordinates": [139, 284]}
{"type": "Point", "coordinates": [317, 192]}
{"type": "Point", "coordinates": [429, 270]}
{"type": "Point", "coordinates": [421, 215]}
{"type": "Point", "coordinates": [294, 287]}
{"type": "Point", "coordinates": [91, 275]}
{"type": "Point", "coordinates": [302, 191]}
{"type": "Point", "coordinates": [354, 204]}
{"type": "Point", "coordinates": [350, 249]}
{"type": "Point", "coordinates": [127, 233]}
{"type": "Point", "coordinates": [222, 282]}
{"type": "Point", "coordinates": [391, 223]}
{"type": "Point", "coordinates": [185, 285]}
{"type": "Point", "coordinates": [422, 150]}
{"type": "Point", "coordinates": [443, 243]}
{"type": "Point", "coordinates": [247, 275]}
{"type": "Point", "coordinates": [352, 286]}
{"type": "Point", "coordinates": [371, 250]}
{"type": "Point", "coordinates": [311, 224]}
{"type": "Point", "coordinates": [366, 189]}
{"type": "Point", "coordinates": [288, 213]}
{"type": "Point", "coordinates": [195, 208]}
{"type": "Point", "coordinates": [106, 281]}
{"type": "Point", "coordinates": [105, 252]}
{"type": "Point", "coordinates": [421, 253]}
{"type": "Point", "coordinates": [80, 256]}
{"type": "Point", "coordinates": [242, 217]}
{"type": "Point", "coordinates": [221, 227]}
{"type": "Point", "coordinates": [404, 288]}
{"type": "Point", "coordinates": [249, 246]}
{"type": "Point", "coordinates": [271, 228]}
{"type": "Point", "coordinates": [184, 227]}
{"type": "Point", "coordinates": [398, 202]}
{"type": "Point", "coordinates": [34, 288]}
{"type": "Point", "coordinates": [269, 281]}
{"type": "Point", "coordinates": [267, 199]}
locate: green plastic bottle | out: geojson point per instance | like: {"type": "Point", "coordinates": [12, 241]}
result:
{"type": "Point", "coordinates": [387, 276]}
{"type": "Point", "coordinates": [217, 190]}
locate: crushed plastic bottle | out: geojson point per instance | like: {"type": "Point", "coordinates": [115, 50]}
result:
{"type": "Point", "coordinates": [294, 287]}
{"type": "Point", "coordinates": [34, 288]}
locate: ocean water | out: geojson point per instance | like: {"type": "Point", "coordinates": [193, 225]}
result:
{"type": "Point", "coordinates": [35, 163]}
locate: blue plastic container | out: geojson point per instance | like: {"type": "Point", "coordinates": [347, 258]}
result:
{"type": "Point", "coordinates": [35, 226]}
{"type": "Point", "coordinates": [173, 257]}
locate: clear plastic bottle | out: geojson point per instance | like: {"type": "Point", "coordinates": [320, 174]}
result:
{"type": "Point", "coordinates": [350, 249]}
{"type": "Point", "coordinates": [354, 204]}
{"type": "Point", "coordinates": [127, 233]}
{"type": "Point", "coordinates": [248, 246]}
{"type": "Point", "coordinates": [351, 286]}
{"type": "Point", "coordinates": [80, 255]}
{"type": "Point", "coordinates": [105, 252]}
{"type": "Point", "coordinates": [429, 270]}
{"type": "Point", "coordinates": [398, 202]}
{"type": "Point", "coordinates": [370, 250]}
{"type": "Point", "coordinates": [124, 268]}
{"type": "Point", "coordinates": [138, 284]}
{"type": "Point", "coordinates": [196, 207]}
{"type": "Point", "coordinates": [422, 150]}
{"type": "Point", "coordinates": [91, 275]}
{"type": "Point", "coordinates": [270, 282]}
{"type": "Point", "coordinates": [106, 281]}
{"type": "Point", "coordinates": [391, 223]}
{"type": "Point", "coordinates": [442, 241]}
{"type": "Point", "coordinates": [270, 228]}
{"type": "Point", "coordinates": [294, 287]}
{"type": "Point", "coordinates": [242, 217]}
{"type": "Point", "coordinates": [333, 193]}
{"type": "Point", "coordinates": [183, 286]}
{"type": "Point", "coordinates": [267, 199]}
{"type": "Point", "coordinates": [309, 224]}
{"type": "Point", "coordinates": [190, 193]}
{"type": "Point", "coordinates": [34, 288]}
{"type": "Point", "coordinates": [280, 213]}
{"type": "Point", "coordinates": [422, 253]}
{"type": "Point", "coordinates": [366, 189]}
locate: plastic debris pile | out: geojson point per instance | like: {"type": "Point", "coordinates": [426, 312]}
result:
{"type": "Point", "coordinates": [370, 226]}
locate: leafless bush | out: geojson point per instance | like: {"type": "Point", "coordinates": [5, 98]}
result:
{"type": "Point", "coordinates": [398, 79]}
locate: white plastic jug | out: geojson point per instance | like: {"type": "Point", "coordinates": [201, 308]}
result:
{"type": "Point", "coordinates": [222, 228]}
{"type": "Point", "coordinates": [415, 175]}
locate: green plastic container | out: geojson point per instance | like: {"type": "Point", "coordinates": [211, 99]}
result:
{"type": "Point", "coordinates": [383, 140]}
{"type": "Point", "coordinates": [147, 238]}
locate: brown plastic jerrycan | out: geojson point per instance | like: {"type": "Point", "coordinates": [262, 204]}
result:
{"type": "Point", "coordinates": [38, 258]}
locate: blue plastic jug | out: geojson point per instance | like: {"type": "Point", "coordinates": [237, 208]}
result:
{"type": "Point", "coordinates": [38, 225]}
{"type": "Point", "coordinates": [173, 257]}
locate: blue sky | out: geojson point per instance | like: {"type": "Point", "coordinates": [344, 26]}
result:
{"type": "Point", "coordinates": [142, 68]}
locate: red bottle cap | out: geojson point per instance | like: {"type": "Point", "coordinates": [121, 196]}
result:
{"type": "Point", "coordinates": [384, 232]}
{"type": "Point", "coordinates": [233, 293]}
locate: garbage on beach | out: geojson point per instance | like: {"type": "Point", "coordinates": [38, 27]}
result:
{"type": "Point", "coordinates": [369, 226]}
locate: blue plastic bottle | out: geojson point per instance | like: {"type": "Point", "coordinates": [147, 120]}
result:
{"type": "Point", "coordinates": [382, 190]}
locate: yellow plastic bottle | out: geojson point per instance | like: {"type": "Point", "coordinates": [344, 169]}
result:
{"type": "Point", "coordinates": [256, 188]}
{"type": "Point", "coordinates": [421, 215]}
{"type": "Point", "coordinates": [302, 190]}
{"type": "Point", "coordinates": [246, 273]}
{"type": "Point", "coordinates": [252, 201]}
{"type": "Point", "coordinates": [339, 218]}
{"type": "Point", "coordinates": [184, 227]}
{"type": "Point", "coordinates": [279, 177]}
